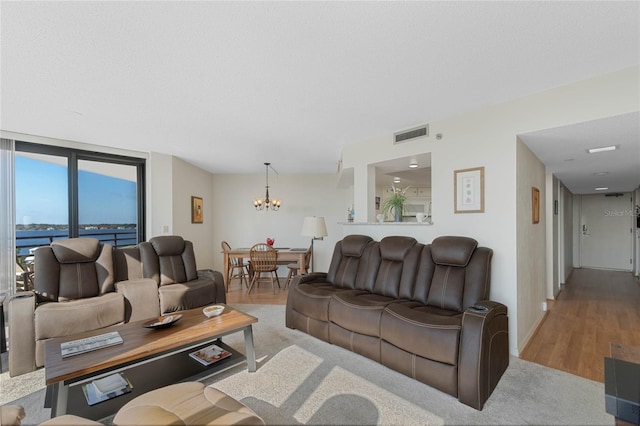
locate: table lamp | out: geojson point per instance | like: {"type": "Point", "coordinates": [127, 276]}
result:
{"type": "Point", "coordinates": [315, 228]}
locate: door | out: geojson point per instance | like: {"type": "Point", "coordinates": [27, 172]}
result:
{"type": "Point", "coordinates": [606, 238]}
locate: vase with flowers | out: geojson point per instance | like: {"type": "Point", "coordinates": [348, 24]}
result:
{"type": "Point", "coordinates": [395, 202]}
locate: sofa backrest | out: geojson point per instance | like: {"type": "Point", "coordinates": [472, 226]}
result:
{"type": "Point", "coordinates": [392, 267]}
{"type": "Point", "coordinates": [127, 263]}
{"type": "Point", "coordinates": [168, 259]}
{"type": "Point", "coordinates": [454, 273]}
{"type": "Point", "coordinates": [349, 261]}
{"type": "Point", "coordinates": [72, 269]}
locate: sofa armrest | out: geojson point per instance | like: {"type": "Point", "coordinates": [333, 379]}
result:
{"type": "Point", "coordinates": [22, 334]}
{"type": "Point", "coordinates": [314, 277]}
{"type": "Point", "coordinates": [141, 299]}
{"type": "Point", "coordinates": [484, 352]}
{"type": "Point", "coordinates": [216, 277]}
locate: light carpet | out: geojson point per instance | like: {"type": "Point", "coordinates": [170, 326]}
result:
{"type": "Point", "coordinates": [302, 380]}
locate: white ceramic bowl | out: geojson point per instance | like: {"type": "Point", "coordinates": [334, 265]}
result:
{"type": "Point", "coordinates": [213, 310]}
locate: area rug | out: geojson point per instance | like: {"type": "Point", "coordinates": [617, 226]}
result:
{"type": "Point", "coordinates": [303, 381]}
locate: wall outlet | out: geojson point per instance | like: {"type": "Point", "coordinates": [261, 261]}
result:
{"type": "Point", "coordinates": [165, 229]}
{"type": "Point", "coordinates": [544, 306]}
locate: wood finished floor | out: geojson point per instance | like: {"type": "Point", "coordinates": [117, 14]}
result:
{"type": "Point", "coordinates": [595, 308]}
{"type": "Point", "coordinates": [262, 294]}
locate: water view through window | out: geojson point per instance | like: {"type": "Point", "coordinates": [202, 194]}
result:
{"type": "Point", "coordinates": [106, 199]}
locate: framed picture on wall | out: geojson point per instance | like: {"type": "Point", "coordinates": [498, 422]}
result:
{"type": "Point", "coordinates": [196, 209]}
{"type": "Point", "coordinates": [468, 186]}
{"type": "Point", "coordinates": [535, 205]}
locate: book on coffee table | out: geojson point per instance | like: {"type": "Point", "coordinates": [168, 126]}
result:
{"type": "Point", "coordinates": [210, 354]}
{"type": "Point", "coordinates": [106, 388]}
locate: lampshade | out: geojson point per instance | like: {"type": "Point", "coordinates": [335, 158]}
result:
{"type": "Point", "coordinates": [314, 226]}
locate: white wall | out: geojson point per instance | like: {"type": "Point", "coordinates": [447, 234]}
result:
{"type": "Point", "coordinates": [159, 196]}
{"type": "Point", "coordinates": [237, 221]}
{"type": "Point", "coordinates": [553, 238]}
{"type": "Point", "coordinates": [568, 232]}
{"type": "Point", "coordinates": [488, 138]}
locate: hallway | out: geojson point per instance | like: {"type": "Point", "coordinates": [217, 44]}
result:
{"type": "Point", "coordinates": [595, 308]}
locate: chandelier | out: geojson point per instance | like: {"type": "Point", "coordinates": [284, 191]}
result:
{"type": "Point", "coordinates": [268, 203]}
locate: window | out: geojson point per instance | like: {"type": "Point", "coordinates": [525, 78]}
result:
{"type": "Point", "coordinates": [64, 193]}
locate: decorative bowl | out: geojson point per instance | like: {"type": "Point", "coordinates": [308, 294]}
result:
{"type": "Point", "coordinates": [213, 310]}
{"type": "Point", "coordinates": [163, 321]}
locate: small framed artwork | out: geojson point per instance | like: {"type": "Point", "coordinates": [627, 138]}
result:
{"type": "Point", "coordinates": [377, 203]}
{"type": "Point", "coordinates": [535, 205]}
{"type": "Point", "coordinates": [196, 210]}
{"type": "Point", "coordinates": [468, 186]}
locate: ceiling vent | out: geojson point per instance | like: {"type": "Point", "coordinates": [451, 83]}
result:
{"type": "Point", "coordinates": [411, 134]}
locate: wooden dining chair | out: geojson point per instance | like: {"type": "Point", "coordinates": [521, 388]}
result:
{"type": "Point", "coordinates": [237, 269]}
{"type": "Point", "coordinates": [294, 267]}
{"type": "Point", "coordinates": [264, 259]}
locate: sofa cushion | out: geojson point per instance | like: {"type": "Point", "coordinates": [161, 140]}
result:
{"type": "Point", "coordinates": [73, 269]}
{"type": "Point", "coordinates": [76, 250]}
{"type": "Point", "coordinates": [187, 295]}
{"type": "Point", "coordinates": [312, 300]}
{"type": "Point", "coordinates": [128, 264]}
{"type": "Point", "coordinates": [168, 245]}
{"type": "Point", "coordinates": [188, 403]}
{"type": "Point", "coordinates": [65, 318]}
{"type": "Point", "coordinates": [168, 259]}
{"type": "Point", "coordinates": [453, 251]}
{"type": "Point", "coordinates": [426, 331]}
{"type": "Point", "coordinates": [358, 311]}
{"type": "Point", "coordinates": [349, 261]}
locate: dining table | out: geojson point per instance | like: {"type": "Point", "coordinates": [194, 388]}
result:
{"type": "Point", "coordinates": [285, 255]}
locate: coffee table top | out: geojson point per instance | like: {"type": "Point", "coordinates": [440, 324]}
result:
{"type": "Point", "coordinates": [140, 342]}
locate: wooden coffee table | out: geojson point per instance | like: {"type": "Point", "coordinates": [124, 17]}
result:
{"type": "Point", "coordinates": [149, 358]}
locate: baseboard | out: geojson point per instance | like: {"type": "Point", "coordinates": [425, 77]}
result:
{"type": "Point", "coordinates": [532, 333]}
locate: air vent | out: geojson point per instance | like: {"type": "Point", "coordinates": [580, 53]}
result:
{"type": "Point", "coordinates": [408, 135]}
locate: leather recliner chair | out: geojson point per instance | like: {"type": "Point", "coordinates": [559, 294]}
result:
{"type": "Point", "coordinates": [73, 292]}
{"type": "Point", "coordinates": [170, 261]}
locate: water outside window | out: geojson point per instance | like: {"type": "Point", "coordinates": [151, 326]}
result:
{"type": "Point", "coordinates": [107, 203]}
{"type": "Point", "coordinates": [42, 201]}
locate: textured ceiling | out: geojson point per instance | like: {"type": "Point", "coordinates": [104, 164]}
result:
{"type": "Point", "coordinates": [230, 85]}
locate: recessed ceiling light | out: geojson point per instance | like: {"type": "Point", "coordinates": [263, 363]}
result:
{"type": "Point", "coordinates": [602, 188]}
{"type": "Point", "coordinates": [413, 164]}
{"type": "Point", "coordinates": [396, 180]}
{"type": "Point", "coordinates": [603, 149]}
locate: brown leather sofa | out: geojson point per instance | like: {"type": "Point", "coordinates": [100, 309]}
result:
{"type": "Point", "coordinates": [421, 310]}
{"type": "Point", "coordinates": [82, 285]}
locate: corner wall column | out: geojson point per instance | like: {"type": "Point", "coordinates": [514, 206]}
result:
{"type": "Point", "coordinates": [364, 192]}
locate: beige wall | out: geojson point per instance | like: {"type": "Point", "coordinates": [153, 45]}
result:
{"type": "Point", "coordinates": [531, 238]}
{"type": "Point", "coordinates": [237, 221]}
{"type": "Point", "coordinates": [189, 180]}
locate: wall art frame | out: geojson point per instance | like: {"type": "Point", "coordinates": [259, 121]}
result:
{"type": "Point", "coordinates": [535, 205]}
{"type": "Point", "coordinates": [468, 186]}
{"type": "Point", "coordinates": [197, 209]}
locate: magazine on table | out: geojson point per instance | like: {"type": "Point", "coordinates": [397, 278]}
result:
{"type": "Point", "coordinates": [106, 388]}
{"type": "Point", "coordinates": [88, 344]}
{"type": "Point", "coordinates": [209, 355]}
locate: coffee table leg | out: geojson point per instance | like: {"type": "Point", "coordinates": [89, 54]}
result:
{"type": "Point", "coordinates": [248, 347]}
{"type": "Point", "coordinates": [60, 395]}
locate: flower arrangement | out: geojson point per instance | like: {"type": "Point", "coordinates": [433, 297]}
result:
{"type": "Point", "coordinates": [395, 202]}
